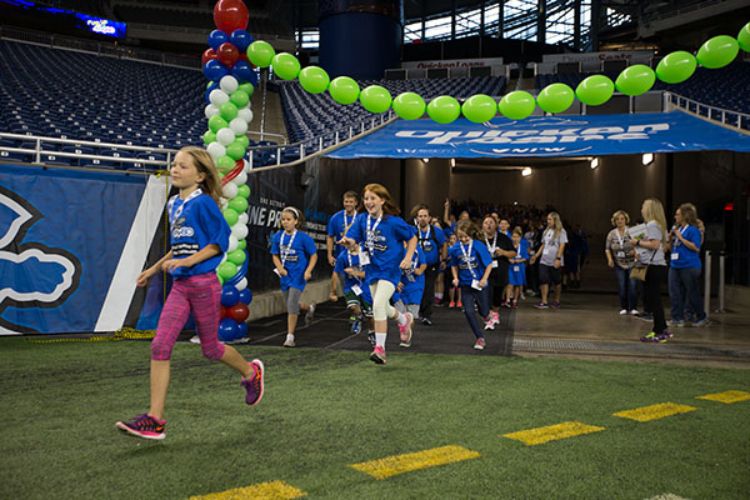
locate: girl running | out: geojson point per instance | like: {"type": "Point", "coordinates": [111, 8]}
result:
{"type": "Point", "coordinates": [412, 284]}
{"type": "Point", "coordinates": [357, 295]}
{"type": "Point", "coordinates": [500, 248]}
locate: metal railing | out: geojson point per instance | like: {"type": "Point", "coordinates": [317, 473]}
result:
{"type": "Point", "coordinates": [714, 113]}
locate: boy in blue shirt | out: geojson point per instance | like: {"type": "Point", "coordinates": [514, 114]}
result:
{"type": "Point", "coordinates": [356, 293]}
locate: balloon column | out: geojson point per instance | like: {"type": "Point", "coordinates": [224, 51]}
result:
{"type": "Point", "coordinates": [231, 84]}
{"type": "Point", "coordinates": [595, 90]}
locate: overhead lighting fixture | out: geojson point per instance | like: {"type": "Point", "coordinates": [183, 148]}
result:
{"type": "Point", "coordinates": [594, 163]}
{"type": "Point", "coordinates": [426, 160]}
{"type": "Point", "coordinates": [647, 159]}
{"type": "Point", "coordinates": [453, 162]}
{"type": "Point", "coordinates": [526, 171]}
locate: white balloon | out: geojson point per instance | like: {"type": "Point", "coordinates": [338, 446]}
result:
{"type": "Point", "coordinates": [232, 243]}
{"type": "Point", "coordinates": [225, 136]}
{"type": "Point", "coordinates": [218, 97]}
{"type": "Point", "coordinates": [243, 218]}
{"type": "Point", "coordinates": [210, 110]}
{"type": "Point", "coordinates": [248, 168]}
{"type": "Point", "coordinates": [216, 150]}
{"type": "Point", "coordinates": [246, 114]}
{"type": "Point", "coordinates": [229, 84]}
{"type": "Point", "coordinates": [240, 179]}
{"type": "Point", "coordinates": [239, 231]}
{"type": "Point", "coordinates": [241, 285]}
{"type": "Point", "coordinates": [238, 126]}
{"type": "Point", "coordinates": [224, 203]}
{"type": "Point", "coordinates": [229, 190]}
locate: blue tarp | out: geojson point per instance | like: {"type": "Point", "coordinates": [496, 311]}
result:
{"type": "Point", "coordinates": [547, 136]}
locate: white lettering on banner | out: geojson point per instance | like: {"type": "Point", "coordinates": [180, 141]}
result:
{"type": "Point", "coordinates": [449, 136]}
{"type": "Point", "coordinates": [274, 218]}
{"type": "Point", "coordinates": [453, 63]}
{"type": "Point", "coordinates": [603, 130]}
{"type": "Point", "coordinates": [418, 134]}
{"type": "Point", "coordinates": [654, 127]}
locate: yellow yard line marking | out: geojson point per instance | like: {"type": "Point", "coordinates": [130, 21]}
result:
{"type": "Point", "coordinates": [654, 412]}
{"type": "Point", "coordinates": [399, 464]}
{"type": "Point", "coordinates": [541, 435]}
{"type": "Point", "coordinates": [727, 397]}
{"type": "Point", "coordinates": [272, 490]}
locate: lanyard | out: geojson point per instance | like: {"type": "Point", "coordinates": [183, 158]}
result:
{"type": "Point", "coordinates": [682, 230]}
{"type": "Point", "coordinates": [175, 214]}
{"type": "Point", "coordinates": [371, 232]}
{"type": "Point", "coordinates": [467, 257]}
{"type": "Point", "coordinates": [423, 238]}
{"type": "Point", "coordinates": [492, 247]}
{"type": "Point", "coordinates": [620, 239]}
{"type": "Point", "coordinates": [351, 264]}
{"type": "Point", "coordinates": [286, 250]}
{"type": "Point", "coordinates": [348, 224]}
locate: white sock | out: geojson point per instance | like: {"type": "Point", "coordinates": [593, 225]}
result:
{"type": "Point", "coordinates": [380, 339]}
{"type": "Point", "coordinates": [289, 336]}
{"type": "Point", "coordinates": [439, 296]}
{"type": "Point", "coordinates": [401, 319]}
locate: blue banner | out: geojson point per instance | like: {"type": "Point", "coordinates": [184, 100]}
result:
{"type": "Point", "coordinates": [61, 236]}
{"type": "Point", "coordinates": [546, 136]}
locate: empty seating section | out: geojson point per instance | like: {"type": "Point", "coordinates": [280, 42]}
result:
{"type": "Point", "coordinates": [193, 19]}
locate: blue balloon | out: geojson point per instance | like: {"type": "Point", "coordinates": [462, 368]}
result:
{"type": "Point", "coordinates": [229, 296]}
{"type": "Point", "coordinates": [228, 330]}
{"type": "Point", "coordinates": [243, 72]}
{"type": "Point", "coordinates": [216, 38]}
{"type": "Point", "coordinates": [241, 330]}
{"type": "Point", "coordinates": [214, 70]}
{"type": "Point", "coordinates": [241, 39]}
{"type": "Point", "coordinates": [246, 296]}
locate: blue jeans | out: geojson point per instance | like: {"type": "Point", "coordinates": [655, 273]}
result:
{"type": "Point", "coordinates": [684, 286]}
{"type": "Point", "coordinates": [627, 289]}
{"type": "Point", "coordinates": [469, 297]}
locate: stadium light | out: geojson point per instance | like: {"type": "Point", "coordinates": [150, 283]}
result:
{"type": "Point", "coordinates": [426, 160]}
{"type": "Point", "coordinates": [526, 171]}
{"type": "Point", "coordinates": [453, 162]}
{"type": "Point", "coordinates": [647, 159]}
{"type": "Point", "coordinates": [594, 163]}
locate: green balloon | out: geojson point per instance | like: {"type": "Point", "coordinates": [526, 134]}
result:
{"type": "Point", "coordinates": [236, 150]}
{"type": "Point", "coordinates": [242, 139]}
{"type": "Point", "coordinates": [239, 98]}
{"type": "Point", "coordinates": [555, 98]}
{"type": "Point", "coordinates": [227, 270]}
{"type": "Point", "coordinates": [635, 80]}
{"type": "Point", "coordinates": [743, 38]}
{"type": "Point", "coordinates": [231, 216]}
{"type": "Point", "coordinates": [286, 66]}
{"type": "Point", "coordinates": [242, 245]}
{"type": "Point", "coordinates": [247, 87]}
{"type": "Point", "coordinates": [444, 109]}
{"type": "Point", "coordinates": [375, 99]}
{"type": "Point", "coordinates": [225, 164]}
{"type": "Point", "coordinates": [595, 90]}
{"type": "Point", "coordinates": [676, 67]}
{"type": "Point", "coordinates": [517, 105]}
{"type": "Point", "coordinates": [228, 111]}
{"type": "Point", "coordinates": [260, 53]}
{"type": "Point", "coordinates": [221, 280]}
{"type": "Point", "coordinates": [238, 204]}
{"type": "Point", "coordinates": [409, 106]}
{"type": "Point", "coordinates": [244, 191]}
{"type": "Point", "coordinates": [216, 123]}
{"type": "Point", "coordinates": [236, 257]}
{"type": "Point", "coordinates": [314, 79]}
{"type": "Point", "coordinates": [344, 90]}
{"type": "Point", "coordinates": [209, 137]}
{"type": "Point", "coordinates": [718, 51]}
{"type": "Point", "coordinates": [479, 108]}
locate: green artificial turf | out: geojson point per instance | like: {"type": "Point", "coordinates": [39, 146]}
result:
{"type": "Point", "coordinates": [324, 410]}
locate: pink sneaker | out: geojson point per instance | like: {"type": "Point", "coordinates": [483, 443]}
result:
{"type": "Point", "coordinates": [490, 323]}
{"type": "Point", "coordinates": [144, 426]}
{"type": "Point", "coordinates": [479, 344]}
{"type": "Point", "coordinates": [405, 330]}
{"type": "Point", "coordinates": [254, 386]}
{"type": "Point", "coordinates": [378, 355]}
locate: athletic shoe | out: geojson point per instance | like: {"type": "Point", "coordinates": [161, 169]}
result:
{"type": "Point", "coordinates": [371, 338]}
{"type": "Point", "coordinates": [664, 337]}
{"type": "Point", "coordinates": [623, 312]}
{"type": "Point", "coordinates": [634, 312]}
{"type": "Point", "coordinates": [144, 426]}
{"type": "Point", "coordinates": [289, 342]}
{"type": "Point", "coordinates": [195, 340]}
{"type": "Point", "coordinates": [254, 386]}
{"type": "Point", "coordinates": [357, 326]}
{"type": "Point", "coordinates": [645, 317]}
{"type": "Point", "coordinates": [310, 314]}
{"type": "Point", "coordinates": [378, 355]}
{"type": "Point", "coordinates": [506, 304]}
{"type": "Point", "coordinates": [459, 304]}
{"type": "Point", "coordinates": [514, 304]}
{"type": "Point", "coordinates": [703, 322]}
{"type": "Point", "coordinates": [479, 344]}
{"type": "Point", "coordinates": [541, 305]}
{"type": "Point", "coordinates": [426, 321]}
{"type": "Point", "coordinates": [405, 330]}
{"type": "Point", "coordinates": [452, 305]}
{"type": "Point", "coordinates": [241, 340]}
{"type": "Point", "coordinates": [649, 337]}
{"type": "Point", "coordinates": [555, 305]}
{"type": "Point", "coordinates": [678, 323]}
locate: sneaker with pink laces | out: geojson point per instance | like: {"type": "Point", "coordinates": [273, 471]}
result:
{"type": "Point", "coordinates": [405, 330]}
{"type": "Point", "coordinates": [144, 426]}
{"type": "Point", "coordinates": [378, 355]}
{"type": "Point", "coordinates": [255, 384]}
{"type": "Point", "coordinates": [479, 344]}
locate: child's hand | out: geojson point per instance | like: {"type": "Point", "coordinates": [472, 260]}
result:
{"type": "Point", "coordinates": [350, 271]}
{"type": "Point", "coordinates": [143, 278]}
{"type": "Point", "coordinates": [172, 264]}
{"type": "Point", "coordinates": [532, 260]}
{"type": "Point", "coordinates": [282, 271]}
{"type": "Point", "coordinates": [455, 282]}
{"type": "Point", "coordinates": [347, 242]}
{"type": "Point", "coordinates": [332, 260]}
{"type": "Point", "coordinates": [400, 287]}
{"type": "Point", "coordinates": [308, 275]}
{"type": "Point", "coordinates": [483, 282]}
{"type": "Point", "coordinates": [405, 264]}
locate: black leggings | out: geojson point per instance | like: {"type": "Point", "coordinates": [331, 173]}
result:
{"type": "Point", "coordinates": [655, 276]}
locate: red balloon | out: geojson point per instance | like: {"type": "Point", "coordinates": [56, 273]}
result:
{"type": "Point", "coordinates": [208, 55]}
{"type": "Point", "coordinates": [238, 312]}
{"type": "Point", "coordinates": [228, 54]}
{"type": "Point", "coordinates": [230, 15]}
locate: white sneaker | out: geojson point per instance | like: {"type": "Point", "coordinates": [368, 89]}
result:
{"type": "Point", "coordinates": [623, 312]}
{"type": "Point", "coordinates": [195, 340]}
{"type": "Point", "coordinates": [634, 312]}
{"type": "Point", "coordinates": [289, 342]}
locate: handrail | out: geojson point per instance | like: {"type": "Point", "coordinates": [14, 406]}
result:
{"type": "Point", "coordinates": [75, 142]}
{"type": "Point", "coordinates": [674, 99]}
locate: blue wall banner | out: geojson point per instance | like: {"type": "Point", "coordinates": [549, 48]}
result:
{"type": "Point", "coordinates": [62, 233]}
{"type": "Point", "coordinates": [547, 136]}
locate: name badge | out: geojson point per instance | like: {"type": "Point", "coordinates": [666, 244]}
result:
{"type": "Point", "coordinates": [548, 250]}
{"type": "Point", "coordinates": [364, 258]}
{"type": "Point", "coordinates": [620, 254]}
{"type": "Point", "coordinates": [675, 256]}
{"type": "Point", "coordinates": [357, 290]}
{"type": "Point", "coordinates": [494, 264]}
{"type": "Point", "coordinates": [475, 285]}
{"type": "Point", "coordinates": [516, 269]}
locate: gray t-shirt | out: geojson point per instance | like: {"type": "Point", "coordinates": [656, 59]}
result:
{"type": "Point", "coordinates": [620, 247]}
{"type": "Point", "coordinates": [653, 232]}
{"type": "Point", "coordinates": [552, 245]}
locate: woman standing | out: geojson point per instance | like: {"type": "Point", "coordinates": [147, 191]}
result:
{"type": "Point", "coordinates": [685, 269]}
{"type": "Point", "coordinates": [551, 251]}
{"type": "Point", "coordinates": [620, 257]}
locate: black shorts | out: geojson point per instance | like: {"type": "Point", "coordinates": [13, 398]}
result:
{"type": "Point", "coordinates": [548, 275]}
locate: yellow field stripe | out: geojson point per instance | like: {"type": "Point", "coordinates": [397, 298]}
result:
{"type": "Point", "coordinates": [654, 412]}
{"type": "Point", "coordinates": [727, 397]}
{"type": "Point", "coordinates": [541, 435]}
{"type": "Point", "coordinates": [399, 464]}
{"type": "Point", "coordinates": [273, 490]}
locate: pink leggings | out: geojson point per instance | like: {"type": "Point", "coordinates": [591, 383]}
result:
{"type": "Point", "coordinates": [200, 295]}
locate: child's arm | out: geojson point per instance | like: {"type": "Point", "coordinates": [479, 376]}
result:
{"type": "Point", "coordinates": [311, 266]}
{"type": "Point", "coordinates": [143, 278]}
{"type": "Point", "coordinates": [279, 266]}
{"type": "Point", "coordinates": [420, 270]}
{"type": "Point", "coordinates": [485, 276]}
{"type": "Point", "coordinates": [329, 250]}
{"type": "Point", "coordinates": [454, 272]}
{"type": "Point", "coordinates": [410, 249]}
{"type": "Point", "coordinates": [537, 254]}
{"type": "Point", "coordinates": [205, 253]}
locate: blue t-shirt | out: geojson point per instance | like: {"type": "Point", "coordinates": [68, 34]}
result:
{"type": "Point", "coordinates": [686, 258]}
{"type": "Point", "coordinates": [303, 247]}
{"type": "Point", "coordinates": [450, 230]}
{"type": "Point", "coordinates": [478, 260]}
{"type": "Point", "coordinates": [522, 252]}
{"type": "Point", "coordinates": [431, 241]}
{"type": "Point", "coordinates": [194, 225]}
{"type": "Point", "coordinates": [337, 226]}
{"type": "Point", "coordinates": [413, 284]}
{"type": "Point", "coordinates": [387, 250]}
{"type": "Point", "coordinates": [344, 260]}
